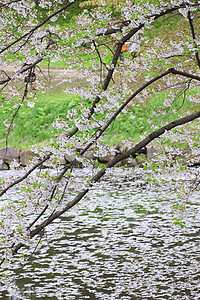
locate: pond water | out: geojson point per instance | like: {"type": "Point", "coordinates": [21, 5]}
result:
{"type": "Point", "coordinates": [119, 243]}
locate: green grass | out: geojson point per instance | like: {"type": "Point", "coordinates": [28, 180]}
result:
{"type": "Point", "coordinates": [33, 125]}
{"type": "Point", "coordinates": [85, 59]}
{"type": "Point", "coordinates": [53, 65]}
{"type": "Point", "coordinates": [126, 128]}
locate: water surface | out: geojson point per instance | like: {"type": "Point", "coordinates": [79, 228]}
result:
{"type": "Point", "coordinates": [119, 243]}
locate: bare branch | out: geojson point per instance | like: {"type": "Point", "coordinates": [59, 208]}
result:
{"type": "Point", "coordinates": [25, 175]}
{"type": "Point", "coordinates": [18, 108]}
{"type": "Point", "coordinates": [23, 70]}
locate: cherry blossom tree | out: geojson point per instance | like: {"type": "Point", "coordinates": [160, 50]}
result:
{"type": "Point", "coordinates": [34, 31]}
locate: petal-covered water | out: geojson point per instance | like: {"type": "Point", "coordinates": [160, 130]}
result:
{"type": "Point", "coordinates": [118, 243]}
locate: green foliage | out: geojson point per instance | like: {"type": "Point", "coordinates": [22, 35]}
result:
{"type": "Point", "coordinates": [179, 222]}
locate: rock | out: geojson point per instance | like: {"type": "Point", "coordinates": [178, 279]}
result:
{"type": "Point", "coordinates": [62, 161]}
{"type": "Point", "coordinates": [25, 156]}
{"type": "Point", "coordinates": [121, 163]}
{"type": "Point", "coordinates": [121, 148]}
{"type": "Point", "coordinates": [129, 162]}
{"type": "Point", "coordinates": [150, 152]}
{"type": "Point", "coordinates": [69, 158]}
{"type": "Point", "coordinates": [4, 166]}
{"type": "Point", "coordinates": [105, 159]}
{"type": "Point", "coordinates": [8, 154]}
{"type": "Point", "coordinates": [89, 154]}
{"type": "Point", "coordinates": [132, 163]}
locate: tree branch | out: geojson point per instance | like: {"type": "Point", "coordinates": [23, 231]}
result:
{"type": "Point", "coordinates": [14, 1]}
{"type": "Point", "coordinates": [194, 38]}
{"type": "Point", "coordinates": [118, 51]}
{"type": "Point", "coordinates": [169, 71]}
{"type": "Point", "coordinates": [37, 27]}
{"type": "Point", "coordinates": [24, 69]}
{"type": "Point", "coordinates": [25, 175]}
{"type": "Point", "coordinates": [101, 173]}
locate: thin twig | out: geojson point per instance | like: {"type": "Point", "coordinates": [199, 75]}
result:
{"type": "Point", "coordinates": [37, 27]}
{"type": "Point", "coordinates": [25, 175]}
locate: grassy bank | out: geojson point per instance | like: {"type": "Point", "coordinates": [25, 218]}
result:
{"type": "Point", "coordinates": [34, 125]}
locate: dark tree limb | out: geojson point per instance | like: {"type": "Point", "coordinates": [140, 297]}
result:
{"type": "Point", "coordinates": [101, 61]}
{"type": "Point", "coordinates": [193, 37]}
{"type": "Point", "coordinates": [152, 136]}
{"type": "Point", "coordinates": [24, 43]}
{"type": "Point", "coordinates": [44, 209]}
{"type": "Point", "coordinates": [115, 30]}
{"type": "Point", "coordinates": [5, 80]}
{"type": "Point", "coordinates": [102, 130]}
{"type": "Point", "coordinates": [18, 107]}
{"type": "Point", "coordinates": [127, 37]}
{"type": "Point", "coordinates": [53, 191]}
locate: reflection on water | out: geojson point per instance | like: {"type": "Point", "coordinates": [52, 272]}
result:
{"type": "Point", "coordinates": [119, 243]}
